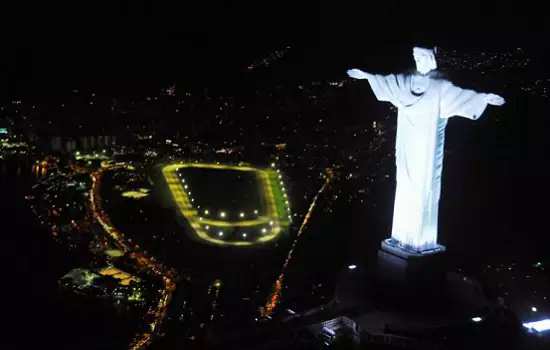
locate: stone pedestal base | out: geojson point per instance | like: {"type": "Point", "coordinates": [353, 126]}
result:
{"type": "Point", "coordinates": [407, 271]}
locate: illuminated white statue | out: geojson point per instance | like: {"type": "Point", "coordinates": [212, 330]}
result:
{"type": "Point", "coordinates": [425, 103]}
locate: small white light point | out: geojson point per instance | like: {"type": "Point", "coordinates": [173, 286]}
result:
{"type": "Point", "coordinates": [264, 230]}
{"type": "Point", "coordinates": [206, 212]}
{"type": "Point", "coordinates": [477, 319]}
{"type": "Point", "coordinates": [256, 211]}
{"type": "Point", "coordinates": [273, 165]}
{"type": "Point", "coordinates": [207, 227]}
{"type": "Point", "coordinates": [220, 233]}
{"type": "Point", "coordinates": [241, 215]}
{"type": "Point", "coordinates": [244, 235]}
{"type": "Point", "coordinates": [534, 309]}
{"type": "Point", "coordinates": [352, 267]}
{"type": "Point", "coordinates": [222, 214]}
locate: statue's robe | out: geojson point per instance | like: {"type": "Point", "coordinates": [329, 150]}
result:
{"type": "Point", "coordinates": [421, 122]}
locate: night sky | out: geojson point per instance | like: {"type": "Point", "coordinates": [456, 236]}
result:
{"type": "Point", "coordinates": [134, 46]}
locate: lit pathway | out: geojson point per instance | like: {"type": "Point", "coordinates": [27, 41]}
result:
{"type": "Point", "coordinates": [275, 296]}
{"type": "Point", "coordinates": [155, 315]}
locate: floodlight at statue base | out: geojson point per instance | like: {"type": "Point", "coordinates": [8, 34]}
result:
{"type": "Point", "coordinates": [392, 246]}
{"type": "Point", "coordinates": [411, 271]}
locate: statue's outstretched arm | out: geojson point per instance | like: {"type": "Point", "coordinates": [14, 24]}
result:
{"type": "Point", "coordinates": [358, 74]}
{"type": "Point", "coordinates": [494, 99]}
{"type": "Point", "coordinates": [386, 88]}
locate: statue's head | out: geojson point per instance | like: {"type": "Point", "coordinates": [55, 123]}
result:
{"type": "Point", "coordinates": [425, 59]}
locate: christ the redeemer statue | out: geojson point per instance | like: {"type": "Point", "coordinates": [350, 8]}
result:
{"type": "Point", "coordinates": [424, 104]}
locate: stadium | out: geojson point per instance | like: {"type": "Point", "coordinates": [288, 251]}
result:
{"type": "Point", "coordinates": [233, 205]}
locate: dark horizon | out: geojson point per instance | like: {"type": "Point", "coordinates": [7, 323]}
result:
{"type": "Point", "coordinates": [141, 46]}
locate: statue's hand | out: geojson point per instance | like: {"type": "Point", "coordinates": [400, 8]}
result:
{"type": "Point", "coordinates": [357, 73]}
{"type": "Point", "coordinates": [494, 100]}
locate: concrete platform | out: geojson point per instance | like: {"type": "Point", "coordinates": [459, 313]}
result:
{"type": "Point", "coordinates": [411, 272]}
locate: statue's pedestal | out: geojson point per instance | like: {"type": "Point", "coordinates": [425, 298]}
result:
{"type": "Point", "coordinates": [407, 271]}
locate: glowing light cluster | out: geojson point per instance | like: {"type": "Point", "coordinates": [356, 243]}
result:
{"type": "Point", "coordinates": [539, 326]}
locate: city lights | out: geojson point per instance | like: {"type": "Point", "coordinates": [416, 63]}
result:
{"type": "Point", "coordinates": [242, 244]}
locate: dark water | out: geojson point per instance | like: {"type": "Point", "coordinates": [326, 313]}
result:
{"type": "Point", "coordinates": [35, 313]}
